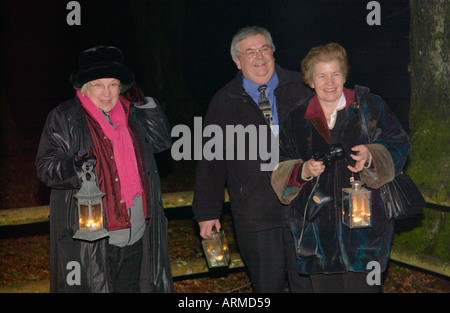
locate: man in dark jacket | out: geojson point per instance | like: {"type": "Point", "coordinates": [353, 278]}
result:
{"type": "Point", "coordinates": [122, 138]}
{"type": "Point", "coordinates": [263, 236]}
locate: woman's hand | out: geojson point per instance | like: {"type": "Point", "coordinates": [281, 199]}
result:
{"type": "Point", "coordinates": [312, 168]}
{"type": "Point", "coordinates": [361, 157]}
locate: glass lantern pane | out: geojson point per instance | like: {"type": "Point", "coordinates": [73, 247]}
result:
{"type": "Point", "coordinates": [83, 211]}
{"type": "Point", "coordinates": [225, 249]}
{"type": "Point", "coordinates": [96, 216]}
{"type": "Point", "coordinates": [360, 205]}
{"type": "Point", "coordinates": [213, 253]}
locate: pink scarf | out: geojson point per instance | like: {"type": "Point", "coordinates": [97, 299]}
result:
{"type": "Point", "coordinates": [124, 155]}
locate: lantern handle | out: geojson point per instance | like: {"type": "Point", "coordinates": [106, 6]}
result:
{"type": "Point", "coordinates": [356, 184]}
{"type": "Point", "coordinates": [87, 169]}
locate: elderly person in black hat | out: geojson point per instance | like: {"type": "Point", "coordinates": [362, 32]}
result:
{"type": "Point", "coordinates": [118, 138]}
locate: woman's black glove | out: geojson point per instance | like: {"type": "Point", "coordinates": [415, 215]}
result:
{"type": "Point", "coordinates": [82, 157]}
{"type": "Point", "coordinates": [135, 95]}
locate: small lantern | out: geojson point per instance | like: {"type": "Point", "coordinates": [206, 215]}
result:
{"type": "Point", "coordinates": [216, 249]}
{"type": "Point", "coordinates": [90, 208]}
{"type": "Point", "coordinates": [356, 206]}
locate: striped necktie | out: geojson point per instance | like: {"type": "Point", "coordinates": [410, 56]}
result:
{"type": "Point", "coordinates": [264, 104]}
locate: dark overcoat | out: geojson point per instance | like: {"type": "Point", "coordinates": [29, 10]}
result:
{"type": "Point", "coordinates": [254, 205]}
{"type": "Point", "coordinates": [65, 133]}
{"type": "Point", "coordinates": [337, 248]}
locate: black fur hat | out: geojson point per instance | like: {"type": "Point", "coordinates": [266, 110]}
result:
{"type": "Point", "coordinates": [102, 62]}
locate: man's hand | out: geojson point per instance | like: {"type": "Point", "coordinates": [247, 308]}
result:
{"type": "Point", "coordinates": [207, 226]}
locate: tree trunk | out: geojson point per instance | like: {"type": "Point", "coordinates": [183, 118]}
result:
{"type": "Point", "coordinates": [429, 114]}
{"type": "Point", "coordinates": [429, 132]}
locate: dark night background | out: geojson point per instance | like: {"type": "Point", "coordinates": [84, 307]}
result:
{"type": "Point", "coordinates": [179, 50]}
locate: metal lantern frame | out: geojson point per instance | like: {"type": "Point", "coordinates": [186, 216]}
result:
{"type": "Point", "coordinates": [90, 208]}
{"type": "Point", "coordinates": [216, 249]}
{"type": "Point", "coordinates": [356, 206]}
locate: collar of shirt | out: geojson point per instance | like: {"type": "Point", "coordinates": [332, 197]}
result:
{"type": "Point", "coordinates": [108, 119]}
{"type": "Point", "coordinates": [341, 105]}
{"type": "Point", "coordinates": [252, 88]}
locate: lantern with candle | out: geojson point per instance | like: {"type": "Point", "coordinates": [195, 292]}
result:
{"type": "Point", "coordinates": [90, 208]}
{"type": "Point", "coordinates": [356, 206]}
{"type": "Point", "coordinates": [216, 249]}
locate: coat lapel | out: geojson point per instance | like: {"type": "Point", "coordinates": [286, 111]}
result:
{"type": "Point", "coordinates": [321, 128]}
{"type": "Point", "coordinates": [314, 114]}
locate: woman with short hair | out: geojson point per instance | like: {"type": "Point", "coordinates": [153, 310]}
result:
{"type": "Point", "coordinates": [336, 257]}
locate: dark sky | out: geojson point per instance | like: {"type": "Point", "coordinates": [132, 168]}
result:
{"type": "Point", "coordinates": [40, 50]}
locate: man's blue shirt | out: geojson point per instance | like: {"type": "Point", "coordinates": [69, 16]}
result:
{"type": "Point", "coordinates": [252, 89]}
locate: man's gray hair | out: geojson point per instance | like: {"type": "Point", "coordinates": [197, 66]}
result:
{"type": "Point", "coordinates": [245, 33]}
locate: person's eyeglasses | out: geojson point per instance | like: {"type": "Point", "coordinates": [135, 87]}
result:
{"type": "Point", "coordinates": [101, 87]}
{"type": "Point", "coordinates": [253, 52]}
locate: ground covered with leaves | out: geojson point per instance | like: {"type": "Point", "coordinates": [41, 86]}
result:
{"type": "Point", "coordinates": [24, 250]}
{"type": "Point", "coordinates": [26, 258]}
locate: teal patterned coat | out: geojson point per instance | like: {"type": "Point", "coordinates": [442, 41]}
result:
{"type": "Point", "coordinates": [335, 247]}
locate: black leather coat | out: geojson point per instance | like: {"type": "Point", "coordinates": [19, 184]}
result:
{"type": "Point", "coordinates": [65, 133]}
